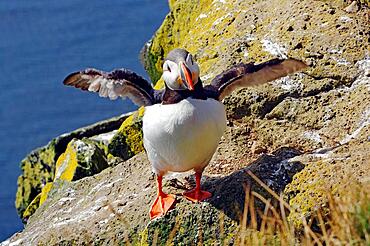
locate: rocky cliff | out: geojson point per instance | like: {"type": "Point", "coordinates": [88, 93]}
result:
{"type": "Point", "coordinates": [290, 145]}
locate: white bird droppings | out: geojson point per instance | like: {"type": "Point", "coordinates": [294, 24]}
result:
{"type": "Point", "coordinates": [364, 121]}
{"type": "Point", "coordinates": [345, 19]}
{"type": "Point", "coordinates": [274, 48]}
{"type": "Point", "coordinates": [287, 84]}
{"type": "Point", "coordinates": [312, 135]}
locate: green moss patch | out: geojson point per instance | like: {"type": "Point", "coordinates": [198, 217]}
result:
{"type": "Point", "coordinates": [37, 169]}
{"type": "Point", "coordinates": [82, 158]}
{"type": "Point", "coordinates": [128, 141]}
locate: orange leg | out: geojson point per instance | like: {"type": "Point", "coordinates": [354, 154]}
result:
{"type": "Point", "coordinates": [196, 194]}
{"type": "Point", "coordinates": [162, 203]}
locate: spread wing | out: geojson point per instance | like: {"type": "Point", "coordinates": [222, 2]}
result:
{"type": "Point", "coordinates": [118, 83]}
{"type": "Point", "coordinates": [244, 75]}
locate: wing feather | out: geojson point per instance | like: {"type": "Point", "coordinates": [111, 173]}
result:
{"type": "Point", "coordinates": [244, 75]}
{"type": "Point", "coordinates": [118, 83]}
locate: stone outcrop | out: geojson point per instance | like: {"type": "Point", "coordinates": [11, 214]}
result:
{"type": "Point", "coordinates": [38, 168]}
{"type": "Point", "coordinates": [323, 112]}
{"type": "Point", "coordinates": [82, 158]}
{"type": "Point", "coordinates": [305, 136]}
{"type": "Point", "coordinates": [127, 141]}
{"type": "Point", "coordinates": [112, 207]}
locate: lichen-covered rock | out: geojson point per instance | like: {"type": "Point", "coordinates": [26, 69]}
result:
{"type": "Point", "coordinates": [332, 170]}
{"type": "Point", "coordinates": [128, 140]}
{"type": "Point", "coordinates": [32, 207]}
{"type": "Point", "coordinates": [203, 224]}
{"type": "Point", "coordinates": [206, 26]}
{"type": "Point", "coordinates": [44, 194]}
{"type": "Point", "coordinates": [82, 158]}
{"type": "Point", "coordinates": [112, 207]}
{"type": "Point", "coordinates": [37, 201]}
{"type": "Point", "coordinates": [320, 117]}
{"type": "Point", "coordinates": [38, 167]}
{"type": "Point", "coordinates": [323, 110]}
{"type": "Point", "coordinates": [332, 129]}
{"type": "Point", "coordinates": [223, 33]}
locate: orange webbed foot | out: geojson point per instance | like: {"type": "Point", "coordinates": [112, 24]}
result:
{"type": "Point", "coordinates": [161, 205]}
{"type": "Point", "coordinates": [197, 195]}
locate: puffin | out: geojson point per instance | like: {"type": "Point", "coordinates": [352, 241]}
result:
{"type": "Point", "coordinates": [183, 122]}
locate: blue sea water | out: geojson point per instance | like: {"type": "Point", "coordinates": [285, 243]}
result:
{"type": "Point", "coordinates": [40, 43]}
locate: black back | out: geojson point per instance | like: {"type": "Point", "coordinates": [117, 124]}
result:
{"type": "Point", "coordinates": [174, 96]}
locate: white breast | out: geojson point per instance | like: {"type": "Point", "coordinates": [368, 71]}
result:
{"type": "Point", "coordinates": [183, 136]}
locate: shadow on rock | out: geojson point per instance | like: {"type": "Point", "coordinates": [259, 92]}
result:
{"type": "Point", "coordinates": [219, 218]}
{"type": "Point", "coordinates": [275, 170]}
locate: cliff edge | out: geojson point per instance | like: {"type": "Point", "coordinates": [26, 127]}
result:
{"type": "Point", "coordinates": [292, 147]}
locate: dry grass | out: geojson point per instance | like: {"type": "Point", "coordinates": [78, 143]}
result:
{"type": "Point", "coordinates": [346, 223]}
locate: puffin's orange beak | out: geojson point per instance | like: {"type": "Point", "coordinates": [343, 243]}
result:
{"type": "Point", "coordinates": [188, 77]}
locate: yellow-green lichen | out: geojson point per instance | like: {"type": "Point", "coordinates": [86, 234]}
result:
{"type": "Point", "coordinates": [128, 141]}
{"type": "Point", "coordinates": [220, 34]}
{"type": "Point", "coordinates": [44, 192]}
{"type": "Point", "coordinates": [309, 190]}
{"type": "Point", "coordinates": [31, 208]}
{"type": "Point", "coordinates": [37, 168]}
{"type": "Point", "coordinates": [200, 226]}
{"type": "Point", "coordinates": [82, 158]}
{"type": "Point", "coordinates": [66, 164]}
{"type": "Point", "coordinates": [198, 32]}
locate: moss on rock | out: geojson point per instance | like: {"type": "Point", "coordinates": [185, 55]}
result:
{"type": "Point", "coordinates": [44, 192]}
{"type": "Point", "coordinates": [308, 191]}
{"type": "Point", "coordinates": [32, 207]}
{"type": "Point", "coordinates": [37, 201]}
{"type": "Point", "coordinates": [128, 141]}
{"type": "Point", "coordinates": [322, 112]}
{"type": "Point", "coordinates": [345, 169]}
{"type": "Point", "coordinates": [304, 111]}
{"type": "Point", "coordinates": [203, 225]}
{"type": "Point", "coordinates": [37, 169]}
{"type": "Point", "coordinates": [195, 26]}
{"type": "Point", "coordinates": [82, 158]}
{"type": "Point", "coordinates": [112, 207]}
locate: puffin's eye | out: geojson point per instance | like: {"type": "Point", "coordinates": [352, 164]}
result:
{"type": "Point", "coordinates": [166, 67]}
{"type": "Point", "coordinates": [189, 59]}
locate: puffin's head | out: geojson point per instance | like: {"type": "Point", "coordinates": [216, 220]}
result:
{"type": "Point", "coordinates": [180, 71]}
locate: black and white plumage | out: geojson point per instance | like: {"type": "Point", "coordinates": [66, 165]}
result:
{"type": "Point", "coordinates": [245, 75]}
{"type": "Point", "coordinates": [118, 83]}
{"type": "Point", "coordinates": [125, 83]}
{"type": "Point", "coordinates": [184, 122]}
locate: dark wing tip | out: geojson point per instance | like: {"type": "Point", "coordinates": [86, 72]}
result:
{"type": "Point", "coordinates": [81, 79]}
{"type": "Point", "coordinates": [244, 75]}
{"type": "Point", "coordinates": [76, 80]}
{"type": "Point", "coordinates": [71, 78]}
{"type": "Point", "coordinates": [296, 64]}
